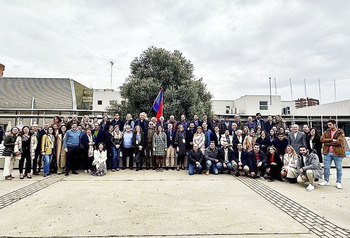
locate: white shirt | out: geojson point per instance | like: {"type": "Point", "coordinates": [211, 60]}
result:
{"type": "Point", "coordinates": [226, 156]}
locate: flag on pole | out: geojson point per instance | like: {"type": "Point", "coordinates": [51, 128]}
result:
{"type": "Point", "coordinates": [158, 104]}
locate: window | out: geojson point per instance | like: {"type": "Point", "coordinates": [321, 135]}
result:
{"type": "Point", "coordinates": [263, 105]}
{"type": "Point", "coordinates": [227, 109]}
{"type": "Point", "coordinates": [286, 111]}
{"type": "Point", "coordinates": [99, 102]}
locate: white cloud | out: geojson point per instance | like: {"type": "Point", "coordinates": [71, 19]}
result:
{"type": "Point", "coordinates": [237, 43]}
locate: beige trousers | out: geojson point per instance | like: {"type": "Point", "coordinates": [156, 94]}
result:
{"type": "Point", "coordinates": [170, 157]}
{"type": "Point", "coordinates": [235, 167]}
{"type": "Point", "coordinates": [309, 177]}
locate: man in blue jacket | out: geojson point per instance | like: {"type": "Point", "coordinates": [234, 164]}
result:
{"type": "Point", "coordinates": [257, 162]}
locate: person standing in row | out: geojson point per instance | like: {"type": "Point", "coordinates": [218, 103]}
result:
{"type": "Point", "coordinates": [296, 138]}
{"type": "Point", "coordinates": [180, 145]}
{"type": "Point", "coordinates": [138, 142]}
{"type": "Point", "coordinates": [127, 147]}
{"type": "Point", "coordinates": [170, 153]}
{"type": "Point", "coordinates": [71, 146]}
{"type": "Point", "coordinates": [25, 154]}
{"type": "Point", "coordinates": [61, 154]}
{"type": "Point", "coordinates": [10, 153]}
{"type": "Point", "coordinates": [159, 147]}
{"type": "Point", "coordinates": [47, 148]}
{"type": "Point", "coordinates": [149, 147]}
{"type": "Point", "coordinates": [117, 142]}
{"type": "Point", "coordinates": [333, 149]}
{"type": "Point", "coordinates": [87, 140]}
{"type": "Point", "coordinates": [313, 142]}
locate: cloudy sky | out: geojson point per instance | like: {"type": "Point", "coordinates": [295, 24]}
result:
{"type": "Point", "coordinates": [235, 46]}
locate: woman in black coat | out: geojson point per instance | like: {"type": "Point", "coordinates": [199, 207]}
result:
{"type": "Point", "coordinates": [314, 143]}
{"type": "Point", "coordinates": [180, 146]}
{"type": "Point", "coordinates": [274, 164]}
{"type": "Point", "coordinates": [263, 141]}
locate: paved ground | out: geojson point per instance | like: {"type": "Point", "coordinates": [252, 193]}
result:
{"type": "Point", "coordinates": [171, 203]}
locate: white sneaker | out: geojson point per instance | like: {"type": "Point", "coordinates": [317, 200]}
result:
{"type": "Point", "coordinates": [324, 183]}
{"type": "Point", "coordinates": [339, 186]}
{"type": "Point", "coordinates": [262, 178]}
{"type": "Point", "coordinates": [85, 171]}
{"type": "Point", "coordinates": [310, 187]}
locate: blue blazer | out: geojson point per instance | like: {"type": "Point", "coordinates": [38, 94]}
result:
{"type": "Point", "coordinates": [170, 137]}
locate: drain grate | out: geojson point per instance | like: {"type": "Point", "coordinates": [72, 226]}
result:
{"type": "Point", "coordinates": [315, 223]}
{"type": "Point", "coordinates": [28, 190]}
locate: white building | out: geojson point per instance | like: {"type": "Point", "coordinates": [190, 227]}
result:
{"type": "Point", "coordinates": [249, 105]}
{"type": "Point", "coordinates": [102, 98]}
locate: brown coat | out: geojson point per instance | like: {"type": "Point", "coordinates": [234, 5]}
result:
{"type": "Point", "coordinates": [60, 152]}
{"type": "Point", "coordinates": [338, 145]}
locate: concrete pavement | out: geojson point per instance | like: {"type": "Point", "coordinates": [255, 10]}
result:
{"type": "Point", "coordinates": [170, 203]}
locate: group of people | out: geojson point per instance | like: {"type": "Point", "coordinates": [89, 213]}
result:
{"type": "Point", "coordinates": [254, 148]}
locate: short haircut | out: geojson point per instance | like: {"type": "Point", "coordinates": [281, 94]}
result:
{"type": "Point", "coordinates": [256, 144]}
{"type": "Point", "coordinates": [302, 146]}
{"type": "Point", "coordinates": [332, 121]}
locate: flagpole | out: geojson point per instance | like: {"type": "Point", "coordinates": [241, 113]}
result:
{"type": "Point", "coordinates": [335, 106]}
{"type": "Point", "coordinates": [155, 101]}
{"type": "Point", "coordinates": [291, 97]}
{"type": "Point", "coordinates": [270, 91]}
{"type": "Point", "coordinates": [319, 92]}
{"type": "Point", "coordinates": [111, 73]}
{"type": "Point", "coordinates": [307, 104]}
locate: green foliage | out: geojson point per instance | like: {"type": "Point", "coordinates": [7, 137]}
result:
{"type": "Point", "coordinates": [158, 68]}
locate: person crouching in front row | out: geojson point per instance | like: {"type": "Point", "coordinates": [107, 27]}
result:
{"type": "Point", "coordinates": [195, 158]}
{"type": "Point", "coordinates": [309, 167]}
{"type": "Point", "coordinates": [100, 158]}
{"type": "Point", "coordinates": [257, 162]}
{"type": "Point", "coordinates": [225, 156]}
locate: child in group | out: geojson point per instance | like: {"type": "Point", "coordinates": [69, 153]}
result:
{"type": "Point", "coordinates": [100, 157]}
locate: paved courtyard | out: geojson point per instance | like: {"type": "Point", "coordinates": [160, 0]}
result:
{"type": "Point", "coordinates": [171, 204]}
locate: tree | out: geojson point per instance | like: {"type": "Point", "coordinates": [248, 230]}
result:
{"type": "Point", "coordinates": [158, 68]}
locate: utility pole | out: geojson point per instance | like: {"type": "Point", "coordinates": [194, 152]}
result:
{"type": "Point", "coordinates": [111, 73]}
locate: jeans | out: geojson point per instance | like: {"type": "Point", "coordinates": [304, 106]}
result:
{"type": "Point", "coordinates": [220, 167]}
{"type": "Point", "coordinates": [213, 165]}
{"type": "Point", "coordinates": [47, 163]}
{"type": "Point", "coordinates": [338, 165]}
{"type": "Point", "coordinates": [193, 167]}
{"type": "Point", "coordinates": [116, 157]}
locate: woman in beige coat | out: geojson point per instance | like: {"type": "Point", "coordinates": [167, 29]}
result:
{"type": "Point", "coordinates": [290, 161]}
{"type": "Point", "coordinates": [60, 152]}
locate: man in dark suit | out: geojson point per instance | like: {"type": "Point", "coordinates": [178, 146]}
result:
{"type": "Point", "coordinates": [296, 138]}
{"type": "Point", "coordinates": [216, 136]}
{"type": "Point", "coordinates": [117, 121]}
{"type": "Point", "coordinates": [227, 125]}
{"type": "Point", "coordinates": [98, 134]}
{"type": "Point", "coordinates": [258, 122]}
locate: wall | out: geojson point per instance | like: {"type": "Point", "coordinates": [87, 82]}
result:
{"type": "Point", "coordinates": [105, 95]}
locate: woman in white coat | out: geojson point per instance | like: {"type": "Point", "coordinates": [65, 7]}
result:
{"type": "Point", "coordinates": [100, 157]}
